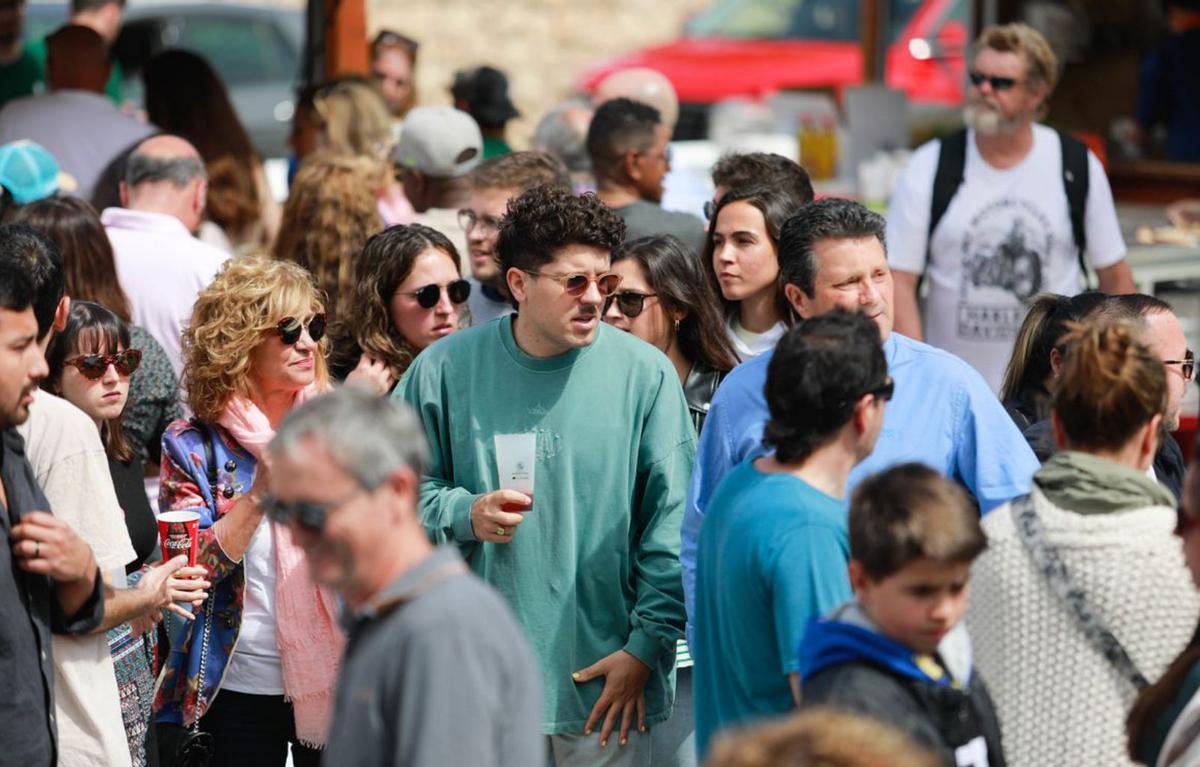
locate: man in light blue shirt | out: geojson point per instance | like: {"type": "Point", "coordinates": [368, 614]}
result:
{"type": "Point", "coordinates": [831, 255]}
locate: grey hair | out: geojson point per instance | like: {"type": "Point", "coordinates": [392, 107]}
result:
{"type": "Point", "coordinates": [555, 134]}
{"type": "Point", "coordinates": [367, 436]}
{"type": "Point", "coordinates": [179, 171]}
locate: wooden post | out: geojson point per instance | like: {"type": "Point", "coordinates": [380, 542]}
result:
{"type": "Point", "coordinates": [873, 27]}
{"type": "Point", "coordinates": [345, 38]}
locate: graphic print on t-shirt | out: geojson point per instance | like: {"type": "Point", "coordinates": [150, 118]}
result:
{"type": "Point", "coordinates": [1003, 253]}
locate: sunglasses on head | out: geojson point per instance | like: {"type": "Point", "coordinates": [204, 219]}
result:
{"type": "Point", "coordinates": [629, 302]}
{"type": "Point", "coordinates": [290, 328]}
{"type": "Point", "coordinates": [92, 366]}
{"type": "Point", "coordinates": [577, 284]}
{"type": "Point", "coordinates": [997, 83]}
{"type": "Point", "coordinates": [428, 296]}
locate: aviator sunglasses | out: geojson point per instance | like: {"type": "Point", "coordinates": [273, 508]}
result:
{"type": "Point", "coordinates": [629, 302]}
{"type": "Point", "coordinates": [290, 328]}
{"type": "Point", "coordinates": [428, 296]}
{"type": "Point", "coordinates": [92, 366]}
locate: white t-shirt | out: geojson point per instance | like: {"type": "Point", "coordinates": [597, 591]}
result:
{"type": "Point", "coordinates": [748, 344]}
{"type": "Point", "coordinates": [1005, 237]}
{"type": "Point", "coordinates": [254, 666]}
{"type": "Point", "coordinates": [68, 459]}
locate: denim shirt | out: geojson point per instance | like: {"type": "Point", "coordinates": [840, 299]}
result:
{"type": "Point", "coordinates": [184, 487]}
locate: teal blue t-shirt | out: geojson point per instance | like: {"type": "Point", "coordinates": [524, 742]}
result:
{"type": "Point", "coordinates": [772, 554]}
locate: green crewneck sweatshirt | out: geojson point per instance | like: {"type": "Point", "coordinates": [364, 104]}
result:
{"type": "Point", "coordinates": [594, 567]}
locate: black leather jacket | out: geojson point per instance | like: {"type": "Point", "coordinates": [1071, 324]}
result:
{"type": "Point", "coordinates": [698, 390]}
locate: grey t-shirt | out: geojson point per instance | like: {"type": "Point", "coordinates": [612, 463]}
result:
{"type": "Point", "coordinates": [644, 219]}
{"type": "Point", "coordinates": [437, 672]}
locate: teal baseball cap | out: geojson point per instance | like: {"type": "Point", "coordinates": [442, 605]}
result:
{"type": "Point", "coordinates": [29, 172]}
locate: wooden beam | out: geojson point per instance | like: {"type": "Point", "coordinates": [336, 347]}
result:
{"type": "Point", "coordinates": [345, 38]}
{"type": "Point", "coordinates": [873, 25]}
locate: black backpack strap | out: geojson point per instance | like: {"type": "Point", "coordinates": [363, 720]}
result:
{"type": "Point", "coordinates": [1075, 184]}
{"type": "Point", "coordinates": [952, 158]}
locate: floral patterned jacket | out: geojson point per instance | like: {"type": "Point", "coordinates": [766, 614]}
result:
{"type": "Point", "coordinates": [184, 487]}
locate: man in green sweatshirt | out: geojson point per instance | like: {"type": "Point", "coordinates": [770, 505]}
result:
{"type": "Point", "coordinates": [588, 558]}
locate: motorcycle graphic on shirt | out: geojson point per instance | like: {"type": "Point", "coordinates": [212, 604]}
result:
{"type": "Point", "coordinates": [1010, 265]}
{"type": "Point", "coordinates": [1004, 250]}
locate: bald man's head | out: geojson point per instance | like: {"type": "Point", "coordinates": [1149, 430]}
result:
{"type": "Point", "coordinates": [165, 174]}
{"type": "Point", "coordinates": [76, 59]}
{"type": "Point", "coordinates": [644, 85]}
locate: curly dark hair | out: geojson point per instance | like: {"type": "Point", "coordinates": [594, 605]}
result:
{"type": "Point", "coordinates": [545, 219]}
{"type": "Point", "coordinates": [820, 370]}
{"type": "Point", "coordinates": [367, 327]}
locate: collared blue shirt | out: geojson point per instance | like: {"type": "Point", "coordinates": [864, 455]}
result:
{"type": "Point", "coordinates": [943, 415]}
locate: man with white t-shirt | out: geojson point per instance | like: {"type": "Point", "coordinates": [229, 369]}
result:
{"type": "Point", "coordinates": [1001, 213]}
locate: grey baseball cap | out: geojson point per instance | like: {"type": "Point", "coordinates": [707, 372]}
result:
{"type": "Point", "coordinates": [442, 142]}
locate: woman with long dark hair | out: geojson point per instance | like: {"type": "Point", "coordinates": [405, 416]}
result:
{"type": "Point", "coordinates": [665, 300]}
{"type": "Point", "coordinates": [185, 96]}
{"type": "Point", "coordinates": [741, 258]}
{"type": "Point", "coordinates": [407, 293]}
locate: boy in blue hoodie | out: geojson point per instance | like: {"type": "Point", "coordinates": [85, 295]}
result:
{"type": "Point", "coordinates": [899, 652]}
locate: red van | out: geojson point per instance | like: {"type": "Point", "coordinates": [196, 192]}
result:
{"type": "Point", "coordinates": [760, 47]}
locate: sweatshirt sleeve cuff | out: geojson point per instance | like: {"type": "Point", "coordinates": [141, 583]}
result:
{"type": "Point", "coordinates": [644, 647]}
{"type": "Point", "coordinates": [460, 518]}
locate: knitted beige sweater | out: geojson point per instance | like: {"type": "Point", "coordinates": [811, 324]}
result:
{"type": "Point", "coordinates": [1059, 701]}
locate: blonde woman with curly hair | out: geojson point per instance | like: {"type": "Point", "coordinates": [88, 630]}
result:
{"type": "Point", "coordinates": [267, 638]}
{"type": "Point", "coordinates": [327, 219]}
{"type": "Point", "coordinates": [408, 292]}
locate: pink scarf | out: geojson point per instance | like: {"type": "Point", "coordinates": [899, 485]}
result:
{"type": "Point", "coordinates": [310, 643]}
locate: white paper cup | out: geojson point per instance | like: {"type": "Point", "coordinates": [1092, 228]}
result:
{"type": "Point", "coordinates": [516, 457]}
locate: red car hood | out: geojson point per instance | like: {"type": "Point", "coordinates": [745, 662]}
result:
{"type": "Point", "coordinates": [705, 70]}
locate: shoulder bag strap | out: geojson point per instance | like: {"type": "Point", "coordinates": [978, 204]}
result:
{"type": "Point", "coordinates": [1047, 560]}
{"type": "Point", "coordinates": [210, 471]}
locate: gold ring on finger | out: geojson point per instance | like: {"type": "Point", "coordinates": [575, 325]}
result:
{"type": "Point", "coordinates": [501, 531]}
